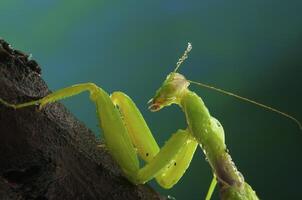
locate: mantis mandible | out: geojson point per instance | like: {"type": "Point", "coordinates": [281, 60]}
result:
{"type": "Point", "coordinates": [127, 135]}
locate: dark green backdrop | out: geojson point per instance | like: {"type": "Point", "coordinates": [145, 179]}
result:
{"type": "Point", "coordinates": [250, 47]}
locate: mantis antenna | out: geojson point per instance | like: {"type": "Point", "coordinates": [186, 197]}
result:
{"type": "Point", "coordinates": [185, 56]}
{"type": "Point", "coordinates": [248, 100]}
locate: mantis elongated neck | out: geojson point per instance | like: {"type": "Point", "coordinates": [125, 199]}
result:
{"type": "Point", "coordinates": [210, 135]}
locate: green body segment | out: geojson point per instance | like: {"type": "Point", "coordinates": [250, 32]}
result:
{"type": "Point", "coordinates": [210, 135]}
{"type": "Point", "coordinates": [127, 134]}
{"type": "Point", "coordinates": [203, 127]}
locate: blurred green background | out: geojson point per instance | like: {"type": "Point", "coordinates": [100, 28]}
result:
{"type": "Point", "coordinates": [252, 48]}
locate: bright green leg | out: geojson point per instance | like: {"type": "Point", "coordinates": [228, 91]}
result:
{"type": "Point", "coordinates": [182, 161]}
{"type": "Point", "coordinates": [211, 188]}
{"type": "Point", "coordinates": [210, 135]}
{"type": "Point", "coordinates": [145, 143]}
{"type": "Point", "coordinates": [167, 157]}
{"type": "Point", "coordinates": [139, 132]}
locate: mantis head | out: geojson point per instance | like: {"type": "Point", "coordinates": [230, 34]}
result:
{"type": "Point", "coordinates": [170, 91]}
{"type": "Point", "coordinates": [176, 85]}
{"type": "Point", "coordinates": [172, 88]}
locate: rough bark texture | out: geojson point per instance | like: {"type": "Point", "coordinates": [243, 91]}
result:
{"type": "Point", "coordinates": [48, 154]}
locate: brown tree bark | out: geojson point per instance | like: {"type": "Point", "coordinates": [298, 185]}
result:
{"type": "Point", "coordinates": [48, 153]}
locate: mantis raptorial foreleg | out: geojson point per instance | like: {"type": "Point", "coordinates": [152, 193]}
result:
{"type": "Point", "coordinates": [138, 129]}
{"type": "Point", "coordinates": [145, 143]}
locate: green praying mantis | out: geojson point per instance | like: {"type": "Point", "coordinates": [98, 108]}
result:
{"type": "Point", "coordinates": [127, 135]}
